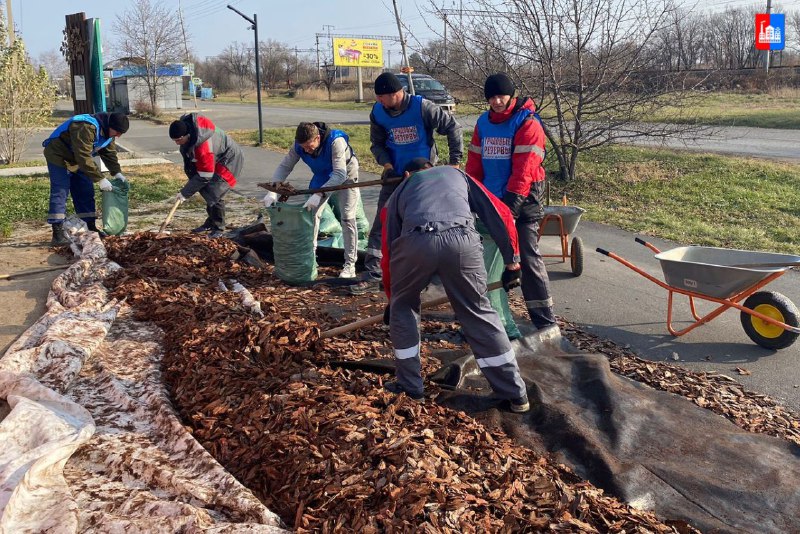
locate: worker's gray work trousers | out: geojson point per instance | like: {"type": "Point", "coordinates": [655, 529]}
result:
{"type": "Point", "coordinates": [534, 279]}
{"type": "Point", "coordinates": [214, 195]}
{"type": "Point", "coordinates": [456, 255]}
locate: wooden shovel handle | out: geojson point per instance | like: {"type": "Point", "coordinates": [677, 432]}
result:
{"type": "Point", "coordinates": [34, 271]}
{"type": "Point", "coordinates": [169, 217]}
{"type": "Point", "coordinates": [378, 318]}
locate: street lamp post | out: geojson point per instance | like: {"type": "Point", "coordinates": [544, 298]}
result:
{"type": "Point", "coordinates": [254, 27]}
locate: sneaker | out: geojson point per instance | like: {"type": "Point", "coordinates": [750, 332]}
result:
{"type": "Point", "coordinates": [349, 271]}
{"type": "Point", "coordinates": [201, 229]}
{"type": "Point", "coordinates": [397, 389]}
{"type": "Point", "coordinates": [370, 285]}
{"type": "Point", "coordinates": [520, 405]}
{"type": "Point", "coordinates": [215, 233]}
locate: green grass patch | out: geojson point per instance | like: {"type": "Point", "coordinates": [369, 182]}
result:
{"type": "Point", "coordinates": [690, 198]}
{"type": "Point", "coordinates": [26, 198]}
{"type": "Point", "coordinates": [765, 110]}
{"type": "Point", "coordinates": [283, 101]}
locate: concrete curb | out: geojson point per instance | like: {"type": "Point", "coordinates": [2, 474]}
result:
{"type": "Point", "coordinates": [30, 171]}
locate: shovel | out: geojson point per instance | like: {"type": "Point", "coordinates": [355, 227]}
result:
{"type": "Point", "coordinates": [285, 190]}
{"type": "Point", "coordinates": [13, 276]}
{"type": "Point", "coordinates": [375, 319]}
{"type": "Point", "coordinates": [169, 217]}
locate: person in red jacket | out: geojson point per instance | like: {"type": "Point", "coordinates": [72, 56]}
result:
{"type": "Point", "coordinates": [211, 161]}
{"type": "Point", "coordinates": [506, 155]}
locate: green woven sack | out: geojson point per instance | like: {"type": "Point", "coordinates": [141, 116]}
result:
{"type": "Point", "coordinates": [328, 225]}
{"type": "Point", "coordinates": [362, 223]}
{"type": "Point", "coordinates": [495, 266]}
{"type": "Point", "coordinates": [293, 243]}
{"type": "Point", "coordinates": [115, 207]}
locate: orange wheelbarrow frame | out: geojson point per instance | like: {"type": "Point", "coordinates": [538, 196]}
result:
{"type": "Point", "coordinates": [724, 303]}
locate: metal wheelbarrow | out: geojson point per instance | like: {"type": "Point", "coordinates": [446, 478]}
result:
{"type": "Point", "coordinates": [563, 221]}
{"type": "Point", "coordinates": [728, 277]}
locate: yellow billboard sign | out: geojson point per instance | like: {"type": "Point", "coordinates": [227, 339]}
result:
{"type": "Point", "coordinates": [357, 52]}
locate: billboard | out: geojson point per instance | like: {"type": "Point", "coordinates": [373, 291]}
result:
{"type": "Point", "coordinates": [357, 52]}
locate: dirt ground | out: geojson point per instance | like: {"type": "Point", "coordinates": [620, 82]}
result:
{"type": "Point", "coordinates": [23, 299]}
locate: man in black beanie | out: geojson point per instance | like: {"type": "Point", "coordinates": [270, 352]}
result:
{"type": "Point", "coordinates": [69, 151]}
{"type": "Point", "coordinates": [401, 129]}
{"type": "Point", "coordinates": [211, 161]}
{"type": "Point", "coordinates": [506, 154]}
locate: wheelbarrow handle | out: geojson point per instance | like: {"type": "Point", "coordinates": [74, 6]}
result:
{"type": "Point", "coordinates": [648, 245]}
{"type": "Point", "coordinates": [602, 251]}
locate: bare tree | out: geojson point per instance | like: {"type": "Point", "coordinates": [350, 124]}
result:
{"type": "Point", "coordinates": [57, 69]}
{"type": "Point", "coordinates": [586, 63]}
{"type": "Point", "coordinates": [238, 61]}
{"type": "Point", "coordinates": [149, 35]}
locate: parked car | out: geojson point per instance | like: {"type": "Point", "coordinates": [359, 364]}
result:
{"type": "Point", "coordinates": [430, 88]}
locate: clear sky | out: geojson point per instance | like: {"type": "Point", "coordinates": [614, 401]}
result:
{"type": "Point", "coordinates": [211, 26]}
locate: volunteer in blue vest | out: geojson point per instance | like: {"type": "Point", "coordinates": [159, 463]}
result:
{"type": "Point", "coordinates": [401, 129]}
{"type": "Point", "coordinates": [69, 151]}
{"type": "Point", "coordinates": [430, 230]}
{"type": "Point", "coordinates": [330, 157]}
{"type": "Point", "coordinates": [506, 154]}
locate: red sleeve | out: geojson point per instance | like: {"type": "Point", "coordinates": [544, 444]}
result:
{"type": "Point", "coordinates": [204, 159]}
{"type": "Point", "coordinates": [526, 161]}
{"type": "Point", "coordinates": [387, 278]}
{"type": "Point", "coordinates": [474, 162]}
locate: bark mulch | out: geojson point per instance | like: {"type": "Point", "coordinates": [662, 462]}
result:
{"type": "Point", "coordinates": [327, 448]}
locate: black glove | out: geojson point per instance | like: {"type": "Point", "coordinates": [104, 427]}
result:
{"type": "Point", "coordinates": [386, 315]}
{"type": "Point", "coordinates": [388, 173]}
{"type": "Point", "coordinates": [514, 202]}
{"type": "Point", "coordinates": [510, 279]}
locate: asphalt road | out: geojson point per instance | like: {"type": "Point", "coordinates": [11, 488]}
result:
{"type": "Point", "coordinates": [609, 299]}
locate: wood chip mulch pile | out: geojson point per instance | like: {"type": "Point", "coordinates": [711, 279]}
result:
{"type": "Point", "coordinates": [328, 449]}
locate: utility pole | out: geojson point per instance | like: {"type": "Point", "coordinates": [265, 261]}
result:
{"type": "Point", "coordinates": [767, 53]}
{"type": "Point", "coordinates": [319, 68]}
{"type": "Point", "coordinates": [445, 38]}
{"type": "Point", "coordinates": [403, 47]}
{"type": "Point", "coordinates": [254, 27]}
{"type": "Point", "coordinates": [186, 48]}
{"type": "Point", "coordinates": [10, 23]}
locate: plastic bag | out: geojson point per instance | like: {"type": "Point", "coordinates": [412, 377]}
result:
{"type": "Point", "coordinates": [293, 243]}
{"type": "Point", "coordinates": [115, 207]}
{"type": "Point", "coordinates": [495, 266]}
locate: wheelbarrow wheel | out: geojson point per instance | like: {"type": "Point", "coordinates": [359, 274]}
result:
{"type": "Point", "coordinates": [576, 256]}
{"type": "Point", "coordinates": [775, 306]}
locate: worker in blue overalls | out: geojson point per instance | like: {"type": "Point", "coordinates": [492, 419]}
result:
{"type": "Point", "coordinates": [69, 151]}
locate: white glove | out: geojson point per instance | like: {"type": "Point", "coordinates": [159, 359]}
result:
{"type": "Point", "coordinates": [270, 198]}
{"type": "Point", "coordinates": [313, 202]}
{"type": "Point", "coordinates": [180, 198]}
{"type": "Point", "coordinates": [105, 185]}
{"type": "Point", "coordinates": [120, 176]}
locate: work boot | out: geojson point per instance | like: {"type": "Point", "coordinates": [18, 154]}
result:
{"type": "Point", "coordinates": [520, 405]}
{"type": "Point", "coordinates": [59, 237]}
{"type": "Point", "coordinates": [368, 285]}
{"type": "Point", "coordinates": [201, 229]}
{"type": "Point", "coordinates": [396, 388]}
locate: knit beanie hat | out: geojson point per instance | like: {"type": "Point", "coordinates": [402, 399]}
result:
{"type": "Point", "coordinates": [178, 129]}
{"type": "Point", "coordinates": [119, 122]}
{"type": "Point", "coordinates": [387, 83]}
{"type": "Point", "coordinates": [498, 84]}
